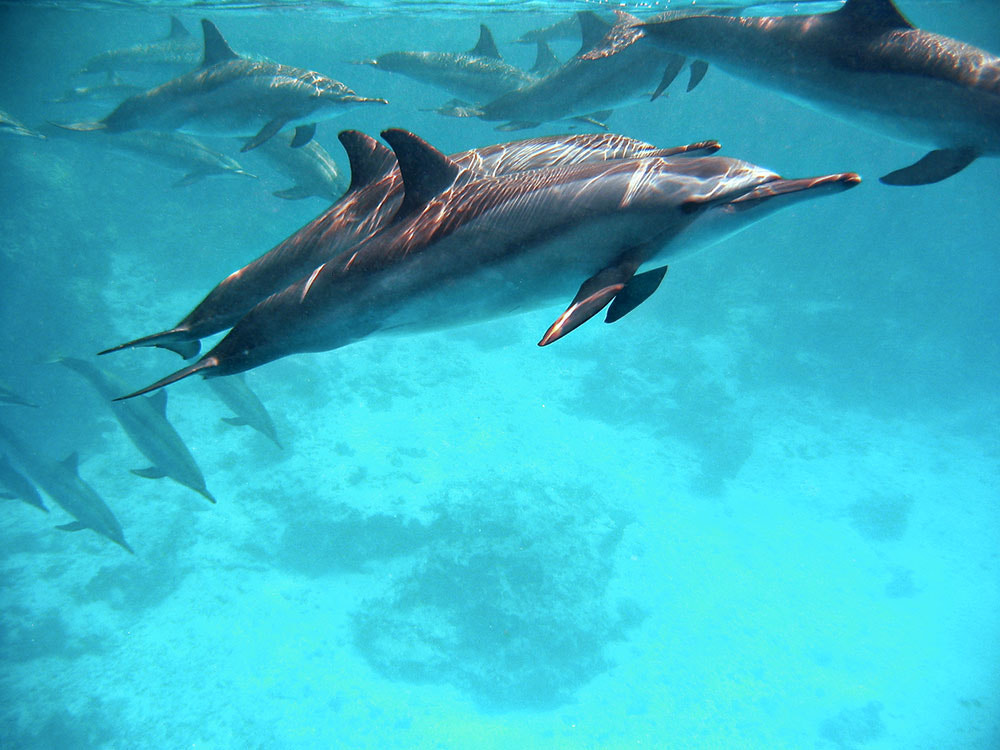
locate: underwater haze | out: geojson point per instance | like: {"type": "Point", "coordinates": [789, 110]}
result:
{"type": "Point", "coordinates": [761, 511]}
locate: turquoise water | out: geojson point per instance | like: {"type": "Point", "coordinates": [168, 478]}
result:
{"type": "Point", "coordinates": [761, 511]}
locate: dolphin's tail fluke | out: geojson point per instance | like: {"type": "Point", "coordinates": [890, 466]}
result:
{"type": "Point", "coordinates": [176, 340]}
{"type": "Point", "coordinates": [205, 363]}
{"type": "Point", "coordinates": [80, 127]}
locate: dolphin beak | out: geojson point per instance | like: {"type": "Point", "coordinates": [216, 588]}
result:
{"type": "Point", "coordinates": [800, 188]}
{"type": "Point", "coordinates": [354, 99]}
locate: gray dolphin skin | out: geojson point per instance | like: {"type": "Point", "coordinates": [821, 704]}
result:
{"type": "Point", "coordinates": [15, 485]}
{"type": "Point", "coordinates": [250, 411]}
{"type": "Point", "coordinates": [61, 481]}
{"type": "Point", "coordinates": [372, 200]}
{"type": "Point", "coordinates": [465, 247]}
{"type": "Point", "coordinates": [584, 87]}
{"type": "Point", "coordinates": [146, 424]}
{"type": "Point", "coordinates": [231, 95]}
{"type": "Point", "coordinates": [113, 90]}
{"type": "Point", "coordinates": [866, 64]}
{"type": "Point", "coordinates": [477, 75]}
{"type": "Point", "coordinates": [311, 168]}
{"type": "Point", "coordinates": [11, 126]}
{"type": "Point", "coordinates": [176, 53]}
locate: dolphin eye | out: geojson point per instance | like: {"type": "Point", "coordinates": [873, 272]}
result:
{"type": "Point", "coordinates": [691, 207]}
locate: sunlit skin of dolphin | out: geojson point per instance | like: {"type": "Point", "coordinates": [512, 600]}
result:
{"type": "Point", "coordinates": [146, 425]}
{"type": "Point", "coordinates": [867, 64]}
{"type": "Point", "coordinates": [61, 481]}
{"type": "Point", "coordinates": [231, 95]}
{"type": "Point", "coordinates": [372, 199]}
{"type": "Point", "coordinates": [464, 248]}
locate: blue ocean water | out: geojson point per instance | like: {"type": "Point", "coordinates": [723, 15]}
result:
{"type": "Point", "coordinates": [761, 511]}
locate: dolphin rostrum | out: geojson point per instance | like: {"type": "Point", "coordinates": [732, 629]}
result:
{"type": "Point", "coordinates": [372, 199]}
{"type": "Point", "coordinates": [61, 481]}
{"type": "Point", "coordinates": [146, 424]}
{"type": "Point", "coordinates": [10, 126]}
{"type": "Point", "coordinates": [231, 95]}
{"type": "Point", "coordinates": [867, 64]}
{"type": "Point", "coordinates": [463, 248]}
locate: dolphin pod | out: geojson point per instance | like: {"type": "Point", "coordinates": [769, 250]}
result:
{"type": "Point", "coordinates": [467, 244]}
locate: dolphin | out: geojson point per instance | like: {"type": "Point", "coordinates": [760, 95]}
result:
{"type": "Point", "coordinates": [61, 481]}
{"type": "Point", "coordinates": [231, 95]}
{"type": "Point", "coordinates": [19, 486]}
{"type": "Point", "coordinates": [465, 247]}
{"type": "Point", "coordinates": [176, 53]}
{"type": "Point", "coordinates": [172, 150]}
{"type": "Point", "coordinates": [867, 64]}
{"type": "Point", "coordinates": [372, 199]}
{"type": "Point", "coordinates": [248, 408]}
{"type": "Point", "coordinates": [113, 90]}
{"type": "Point", "coordinates": [8, 396]}
{"type": "Point", "coordinates": [11, 126]}
{"type": "Point", "coordinates": [146, 424]}
{"type": "Point", "coordinates": [312, 169]}
{"type": "Point", "coordinates": [478, 75]}
{"type": "Point", "coordinates": [584, 87]}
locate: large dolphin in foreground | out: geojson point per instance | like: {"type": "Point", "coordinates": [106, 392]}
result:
{"type": "Point", "coordinates": [464, 248]}
{"type": "Point", "coordinates": [231, 95]}
{"type": "Point", "coordinates": [371, 201]}
{"type": "Point", "coordinates": [867, 64]}
{"type": "Point", "coordinates": [146, 424]}
{"type": "Point", "coordinates": [61, 481]}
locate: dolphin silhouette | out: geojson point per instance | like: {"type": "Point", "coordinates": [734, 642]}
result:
{"type": "Point", "coordinates": [463, 247]}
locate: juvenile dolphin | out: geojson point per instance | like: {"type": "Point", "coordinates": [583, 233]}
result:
{"type": "Point", "coordinates": [146, 424]}
{"type": "Point", "coordinates": [867, 64]}
{"type": "Point", "coordinates": [373, 198]}
{"type": "Point", "coordinates": [15, 485]}
{"type": "Point", "coordinates": [311, 168]}
{"type": "Point", "coordinates": [176, 53]}
{"type": "Point", "coordinates": [248, 408]}
{"type": "Point", "coordinates": [478, 75]}
{"type": "Point", "coordinates": [231, 95]}
{"type": "Point", "coordinates": [112, 90]}
{"type": "Point", "coordinates": [61, 481]}
{"type": "Point", "coordinates": [10, 126]}
{"type": "Point", "coordinates": [465, 248]}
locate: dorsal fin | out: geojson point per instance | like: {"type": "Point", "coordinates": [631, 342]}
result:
{"type": "Point", "coordinates": [426, 172]}
{"type": "Point", "coordinates": [592, 30]}
{"type": "Point", "coordinates": [545, 61]}
{"type": "Point", "coordinates": [486, 46]}
{"type": "Point", "coordinates": [876, 15]}
{"type": "Point", "coordinates": [177, 30]}
{"type": "Point", "coordinates": [369, 159]}
{"type": "Point", "coordinates": [71, 462]}
{"type": "Point", "coordinates": [216, 48]}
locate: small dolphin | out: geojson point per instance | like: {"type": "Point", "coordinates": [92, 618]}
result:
{"type": "Point", "coordinates": [373, 198]}
{"type": "Point", "coordinates": [61, 481]}
{"type": "Point", "coordinates": [248, 408]}
{"type": "Point", "coordinates": [176, 53]}
{"type": "Point", "coordinates": [867, 64]}
{"type": "Point", "coordinates": [465, 248]}
{"type": "Point", "coordinates": [10, 126]}
{"type": "Point", "coordinates": [8, 396]}
{"type": "Point", "coordinates": [19, 486]}
{"type": "Point", "coordinates": [112, 91]}
{"type": "Point", "coordinates": [234, 96]}
{"type": "Point", "coordinates": [311, 168]}
{"type": "Point", "coordinates": [146, 424]}
{"type": "Point", "coordinates": [566, 29]}
{"type": "Point", "coordinates": [478, 75]}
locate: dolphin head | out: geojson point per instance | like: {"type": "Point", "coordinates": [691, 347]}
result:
{"type": "Point", "coordinates": [335, 97]}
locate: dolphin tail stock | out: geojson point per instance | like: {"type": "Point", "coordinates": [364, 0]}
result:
{"type": "Point", "coordinates": [175, 340]}
{"type": "Point", "coordinates": [205, 363]}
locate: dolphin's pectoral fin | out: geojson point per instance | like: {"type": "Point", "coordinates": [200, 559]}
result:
{"type": "Point", "coordinates": [151, 473]}
{"type": "Point", "coordinates": [270, 130]}
{"type": "Point", "coordinates": [669, 74]}
{"type": "Point", "coordinates": [513, 125]}
{"type": "Point", "coordinates": [296, 193]}
{"type": "Point", "coordinates": [594, 294]}
{"type": "Point", "coordinates": [936, 166]}
{"type": "Point", "coordinates": [303, 134]}
{"type": "Point", "coordinates": [189, 179]}
{"type": "Point", "coordinates": [74, 526]}
{"type": "Point", "coordinates": [636, 291]}
{"type": "Point", "coordinates": [698, 70]}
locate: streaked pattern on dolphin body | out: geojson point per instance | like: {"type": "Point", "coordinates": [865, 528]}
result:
{"type": "Point", "coordinates": [465, 247]}
{"type": "Point", "coordinates": [61, 481]}
{"type": "Point", "coordinates": [176, 53]}
{"type": "Point", "coordinates": [15, 485]}
{"type": "Point", "coordinates": [234, 392]}
{"type": "Point", "coordinates": [146, 424]}
{"type": "Point", "coordinates": [234, 96]}
{"type": "Point", "coordinates": [867, 64]}
{"type": "Point", "coordinates": [373, 198]}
